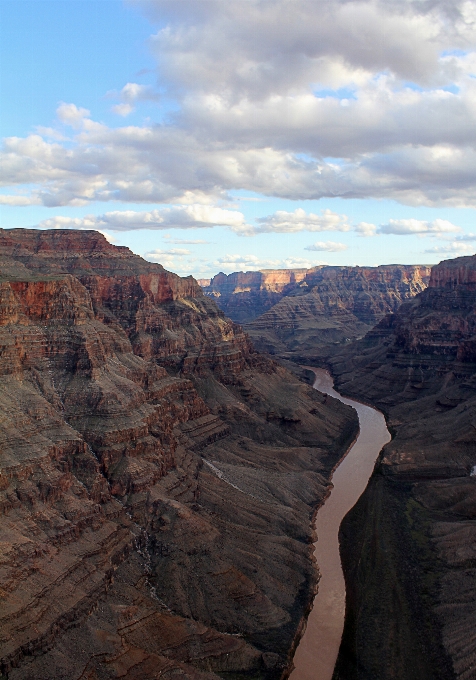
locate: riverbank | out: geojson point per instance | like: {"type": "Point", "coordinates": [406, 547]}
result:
{"type": "Point", "coordinates": [317, 651]}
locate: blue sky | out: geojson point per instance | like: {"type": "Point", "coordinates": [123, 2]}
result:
{"type": "Point", "coordinates": [67, 50]}
{"type": "Point", "coordinates": [210, 135]}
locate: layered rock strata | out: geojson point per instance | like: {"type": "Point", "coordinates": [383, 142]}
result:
{"type": "Point", "coordinates": [244, 296]}
{"type": "Point", "coordinates": [409, 545]}
{"type": "Point", "coordinates": [313, 308]}
{"type": "Point", "coordinates": [157, 475]}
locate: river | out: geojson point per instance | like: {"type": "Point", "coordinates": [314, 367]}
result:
{"type": "Point", "coordinates": [317, 651]}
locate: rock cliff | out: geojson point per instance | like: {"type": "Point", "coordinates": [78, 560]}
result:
{"type": "Point", "coordinates": [295, 313]}
{"type": "Point", "coordinates": [157, 475]}
{"type": "Point", "coordinates": [244, 296]}
{"type": "Point", "coordinates": [411, 590]}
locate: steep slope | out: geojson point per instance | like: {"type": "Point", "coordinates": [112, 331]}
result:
{"type": "Point", "coordinates": [411, 592]}
{"type": "Point", "coordinates": [244, 296]}
{"type": "Point", "coordinates": [296, 315]}
{"type": "Point", "coordinates": [157, 475]}
{"type": "Point", "coordinates": [334, 305]}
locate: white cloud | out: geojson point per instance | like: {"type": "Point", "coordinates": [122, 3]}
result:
{"type": "Point", "coordinates": [381, 115]}
{"type": "Point", "coordinates": [282, 222]}
{"type": "Point", "coordinates": [366, 229]}
{"type": "Point", "coordinates": [107, 236]}
{"type": "Point", "coordinates": [329, 246]}
{"type": "Point", "coordinates": [283, 45]}
{"type": "Point", "coordinates": [70, 114]}
{"type": "Point", "coordinates": [132, 92]}
{"type": "Point", "coordinates": [122, 109]}
{"type": "Point", "coordinates": [454, 249]}
{"type": "Point", "coordinates": [168, 165]}
{"type": "Point", "coordinates": [6, 199]}
{"type": "Point", "coordinates": [412, 226]}
{"type": "Point", "coordinates": [207, 216]}
{"type": "Point", "coordinates": [63, 222]}
{"type": "Point", "coordinates": [159, 255]}
{"type": "Point", "coordinates": [170, 251]}
{"type": "Point", "coordinates": [257, 90]}
{"type": "Point", "coordinates": [179, 260]}
{"type": "Point", "coordinates": [231, 263]}
{"type": "Point", "coordinates": [243, 259]}
{"type": "Point", "coordinates": [301, 263]}
{"type": "Point", "coordinates": [129, 95]}
{"type": "Point", "coordinates": [50, 133]}
{"type": "Point", "coordinates": [178, 217]}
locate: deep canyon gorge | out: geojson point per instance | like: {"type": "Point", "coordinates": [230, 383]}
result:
{"type": "Point", "coordinates": [408, 546]}
{"type": "Point", "coordinates": [316, 654]}
{"type": "Point", "coordinates": [159, 475]}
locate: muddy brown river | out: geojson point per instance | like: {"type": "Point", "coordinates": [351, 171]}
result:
{"type": "Point", "coordinates": [316, 654]}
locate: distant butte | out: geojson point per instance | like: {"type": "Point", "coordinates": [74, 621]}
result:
{"type": "Point", "coordinates": [244, 296]}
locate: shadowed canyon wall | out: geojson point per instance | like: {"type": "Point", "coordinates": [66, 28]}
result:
{"type": "Point", "coordinates": [244, 296]}
{"type": "Point", "coordinates": [409, 545]}
{"type": "Point", "coordinates": [295, 313]}
{"type": "Point", "coordinates": [157, 475]}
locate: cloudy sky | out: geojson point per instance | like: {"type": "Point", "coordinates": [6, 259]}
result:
{"type": "Point", "coordinates": [217, 135]}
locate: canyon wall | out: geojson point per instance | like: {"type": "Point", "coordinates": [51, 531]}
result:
{"type": "Point", "coordinates": [409, 545]}
{"type": "Point", "coordinates": [295, 315]}
{"type": "Point", "coordinates": [157, 475]}
{"type": "Point", "coordinates": [243, 296]}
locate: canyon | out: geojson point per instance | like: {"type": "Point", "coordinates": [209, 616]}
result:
{"type": "Point", "coordinates": [409, 544]}
{"type": "Point", "coordinates": [403, 340]}
{"type": "Point", "coordinates": [244, 296]}
{"type": "Point", "coordinates": [295, 314]}
{"type": "Point", "coordinates": [157, 474]}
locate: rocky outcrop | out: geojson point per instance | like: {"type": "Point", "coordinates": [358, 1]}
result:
{"type": "Point", "coordinates": [296, 313]}
{"type": "Point", "coordinates": [157, 475]}
{"type": "Point", "coordinates": [409, 543]}
{"type": "Point", "coordinates": [244, 296]}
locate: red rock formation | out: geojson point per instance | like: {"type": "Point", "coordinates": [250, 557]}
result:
{"type": "Point", "coordinates": [157, 475]}
{"type": "Point", "coordinates": [452, 273]}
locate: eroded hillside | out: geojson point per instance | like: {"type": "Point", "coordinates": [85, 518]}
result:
{"type": "Point", "coordinates": [157, 474]}
{"type": "Point", "coordinates": [409, 545]}
{"type": "Point", "coordinates": [294, 314]}
{"type": "Point", "coordinates": [244, 296]}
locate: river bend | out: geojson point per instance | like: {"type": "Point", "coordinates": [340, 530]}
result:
{"type": "Point", "coordinates": [317, 651]}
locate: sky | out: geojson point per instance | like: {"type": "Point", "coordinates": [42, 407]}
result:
{"type": "Point", "coordinates": [226, 135]}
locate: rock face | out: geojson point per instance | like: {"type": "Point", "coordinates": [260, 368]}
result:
{"type": "Point", "coordinates": [295, 315]}
{"type": "Point", "coordinates": [157, 475]}
{"type": "Point", "coordinates": [244, 296]}
{"type": "Point", "coordinates": [411, 590]}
